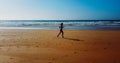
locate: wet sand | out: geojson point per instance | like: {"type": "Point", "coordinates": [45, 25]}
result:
{"type": "Point", "coordinates": [42, 46]}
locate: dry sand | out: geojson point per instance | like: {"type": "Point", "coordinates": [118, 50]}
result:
{"type": "Point", "coordinates": [42, 46]}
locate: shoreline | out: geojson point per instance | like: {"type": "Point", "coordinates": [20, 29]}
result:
{"type": "Point", "coordinates": [64, 29]}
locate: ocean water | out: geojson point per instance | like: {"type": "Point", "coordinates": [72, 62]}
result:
{"type": "Point", "coordinates": [54, 24]}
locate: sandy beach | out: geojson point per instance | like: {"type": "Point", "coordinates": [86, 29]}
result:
{"type": "Point", "coordinates": [42, 46]}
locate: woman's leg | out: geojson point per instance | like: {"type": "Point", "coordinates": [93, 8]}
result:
{"type": "Point", "coordinates": [59, 34]}
{"type": "Point", "coordinates": [62, 34]}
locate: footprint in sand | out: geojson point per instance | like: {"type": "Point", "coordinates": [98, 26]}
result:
{"type": "Point", "coordinates": [105, 48]}
{"type": "Point", "coordinates": [66, 55]}
{"type": "Point", "coordinates": [11, 58]}
{"type": "Point", "coordinates": [75, 52]}
{"type": "Point", "coordinates": [85, 50]}
{"type": "Point", "coordinates": [49, 62]}
{"type": "Point", "coordinates": [18, 46]}
{"type": "Point", "coordinates": [37, 46]}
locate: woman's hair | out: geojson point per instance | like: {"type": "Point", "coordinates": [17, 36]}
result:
{"type": "Point", "coordinates": [61, 23]}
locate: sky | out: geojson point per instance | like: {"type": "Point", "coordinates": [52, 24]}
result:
{"type": "Point", "coordinates": [59, 10]}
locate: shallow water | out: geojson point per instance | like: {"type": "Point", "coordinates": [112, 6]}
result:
{"type": "Point", "coordinates": [54, 24]}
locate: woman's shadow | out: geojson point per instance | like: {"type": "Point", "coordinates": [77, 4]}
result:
{"type": "Point", "coordinates": [73, 39]}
